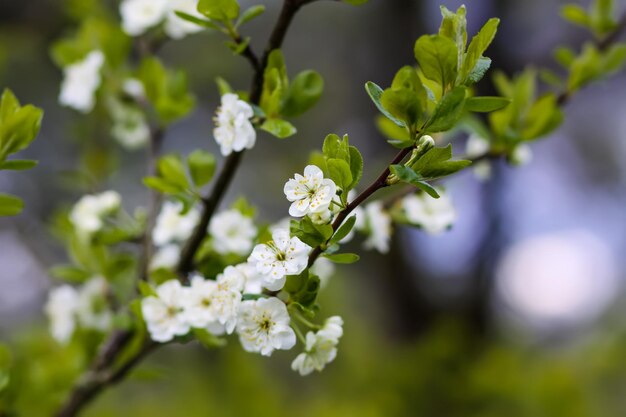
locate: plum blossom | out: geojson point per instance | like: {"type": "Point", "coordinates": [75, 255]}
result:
{"type": "Point", "coordinates": [320, 347]}
{"type": "Point", "coordinates": [172, 226]}
{"type": "Point", "coordinates": [521, 155]}
{"type": "Point", "coordinates": [377, 223]}
{"type": "Point", "coordinates": [253, 281]}
{"type": "Point", "coordinates": [278, 258]}
{"type": "Point", "coordinates": [88, 213]}
{"type": "Point", "coordinates": [177, 28]}
{"type": "Point", "coordinates": [232, 232]}
{"type": "Point", "coordinates": [163, 313]}
{"type": "Point", "coordinates": [165, 257]}
{"type": "Point", "coordinates": [234, 131]}
{"type": "Point", "coordinates": [309, 193]}
{"type": "Point", "coordinates": [140, 15]}
{"type": "Point", "coordinates": [80, 82]}
{"type": "Point", "coordinates": [434, 215]}
{"type": "Point", "coordinates": [61, 311]}
{"type": "Point", "coordinates": [263, 326]}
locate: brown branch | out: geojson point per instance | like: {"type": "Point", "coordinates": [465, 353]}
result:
{"type": "Point", "coordinates": [380, 182]}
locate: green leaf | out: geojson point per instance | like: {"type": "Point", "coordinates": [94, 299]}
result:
{"type": "Point", "coordinates": [70, 273]}
{"type": "Point", "coordinates": [303, 93]}
{"type": "Point", "coordinates": [375, 93]}
{"type": "Point", "coordinates": [221, 10]}
{"type": "Point", "coordinates": [477, 48]}
{"type": "Point", "coordinates": [436, 163]}
{"type": "Point", "coordinates": [18, 164]}
{"type": "Point", "coordinates": [486, 104]}
{"type": "Point", "coordinates": [171, 168]}
{"type": "Point", "coordinates": [479, 70]}
{"type": "Point", "coordinates": [275, 84]}
{"type": "Point", "coordinates": [438, 59]}
{"type": "Point", "coordinates": [146, 289]}
{"type": "Point", "coordinates": [279, 128]}
{"type": "Point", "coordinates": [340, 173]}
{"type": "Point", "coordinates": [614, 58]}
{"type": "Point", "coordinates": [240, 46]}
{"type": "Point", "coordinates": [10, 205]}
{"type": "Point", "coordinates": [196, 20]}
{"type": "Point", "coordinates": [161, 185]}
{"type": "Point", "coordinates": [343, 258]}
{"type": "Point", "coordinates": [310, 233]}
{"type": "Point", "coordinates": [403, 104]}
{"type": "Point", "coordinates": [575, 14]}
{"type": "Point", "coordinates": [355, 2]}
{"type": "Point", "coordinates": [407, 175]}
{"type": "Point", "coordinates": [448, 111]}
{"type": "Point", "coordinates": [454, 26]}
{"type": "Point", "coordinates": [343, 230]}
{"type": "Point", "coordinates": [250, 14]}
{"type": "Point", "coordinates": [542, 118]}
{"type": "Point", "coordinates": [336, 147]}
{"type": "Point", "coordinates": [201, 167]}
{"type": "Point", "coordinates": [356, 166]}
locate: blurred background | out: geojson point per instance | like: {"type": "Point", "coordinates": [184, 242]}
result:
{"type": "Point", "coordinates": [518, 310]}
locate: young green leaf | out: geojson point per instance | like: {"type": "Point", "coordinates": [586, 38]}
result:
{"type": "Point", "coordinates": [10, 205]}
{"type": "Point", "coordinates": [343, 258]}
{"type": "Point", "coordinates": [250, 13]}
{"type": "Point", "coordinates": [477, 48]}
{"type": "Point", "coordinates": [448, 111]}
{"type": "Point", "coordinates": [486, 104]}
{"type": "Point", "coordinates": [220, 10]}
{"type": "Point", "coordinates": [438, 59]}
{"type": "Point", "coordinates": [437, 163]}
{"type": "Point", "coordinates": [18, 164]}
{"type": "Point", "coordinates": [375, 93]}
{"type": "Point", "coordinates": [279, 128]}
{"type": "Point", "coordinates": [407, 175]}
{"type": "Point", "coordinates": [356, 166]}
{"type": "Point", "coordinates": [172, 170]}
{"type": "Point", "coordinates": [303, 93]}
{"type": "Point", "coordinates": [195, 20]}
{"type": "Point", "coordinates": [201, 167]}
{"type": "Point", "coordinates": [343, 230]}
{"type": "Point", "coordinates": [340, 173]}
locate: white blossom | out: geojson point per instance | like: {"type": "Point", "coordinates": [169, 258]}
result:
{"type": "Point", "coordinates": [163, 314]}
{"type": "Point", "coordinates": [165, 257]}
{"type": "Point", "coordinates": [522, 155]}
{"type": "Point", "coordinates": [253, 280]}
{"type": "Point", "coordinates": [263, 326]}
{"type": "Point", "coordinates": [61, 311]}
{"type": "Point", "coordinates": [232, 232]}
{"type": "Point", "coordinates": [320, 347]}
{"type": "Point", "coordinates": [234, 131]}
{"type": "Point", "coordinates": [80, 82]}
{"type": "Point", "coordinates": [282, 224]}
{"type": "Point", "coordinates": [140, 15]}
{"type": "Point", "coordinates": [278, 258]}
{"type": "Point", "coordinates": [88, 212]}
{"type": "Point", "coordinates": [171, 225]}
{"type": "Point", "coordinates": [434, 215]}
{"type": "Point", "coordinates": [475, 147]}
{"type": "Point", "coordinates": [134, 88]}
{"type": "Point", "coordinates": [311, 193]}
{"type": "Point", "coordinates": [377, 223]}
{"type": "Point", "coordinates": [130, 127]}
{"type": "Point", "coordinates": [92, 309]}
{"type": "Point", "coordinates": [177, 28]}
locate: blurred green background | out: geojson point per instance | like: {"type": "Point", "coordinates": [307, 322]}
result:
{"type": "Point", "coordinates": [518, 311]}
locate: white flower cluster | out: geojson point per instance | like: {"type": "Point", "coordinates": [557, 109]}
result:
{"type": "Point", "coordinates": [130, 125]}
{"type": "Point", "coordinates": [230, 230]}
{"type": "Point", "coordinates": [263, 325]}
{"type": "Point", "coordinates": [140, 15]}
{"type": "Point", "coordinates": [320, 348]}
{"type": "Point", "coordinates": [80, 82]}
{"type": "Point", "coordinates": [434, 215]}
{"type": "Point", "coordinates": [68, 307]}
{"type": "Point", "coordinates": [310, 193]}
{"type": "Point", "coordinates": [233, 128]}
{"type": "Point", "coordinates": [88, 213]}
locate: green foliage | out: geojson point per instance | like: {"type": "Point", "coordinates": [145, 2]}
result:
{"type": "Point", "coordinates": [166, 90]}
{"type": "Point", "coordinates": [438, 59]}
{"type": "Point", "coordinates": [95, 33]}
{"type": "Point", "coordinates": [599, 18]}
{"type": "Point", "coordinates": [302, 290]}
{"type": "Point", "coordinates": [310, 233]}
{"type": "Point", "coordinates": [19, 126]}
{"type": "Point", "coordinates": [249, 14]}
{"type": "Point", "coordinates": [220, 10]}
{"type": "Point", "coordinates": [343, 230]}
{"type": "Point", "coordinates": [342, 258]}
{"type": "Point", "coordinates": [281, 99]}
{"type": "Point", "coordinates": [202, 166]}
{"type": "Point", "coordinates": [342, 163]}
